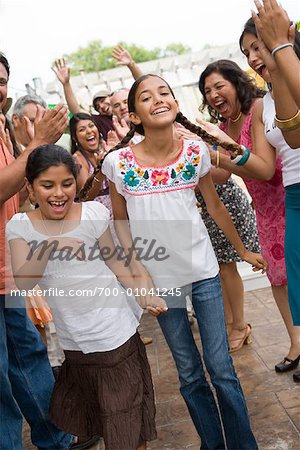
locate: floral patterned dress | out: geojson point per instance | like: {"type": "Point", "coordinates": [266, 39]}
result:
{"type": "Point", "coordinates": [269, 204]}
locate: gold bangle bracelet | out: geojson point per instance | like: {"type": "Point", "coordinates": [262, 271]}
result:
{"type": "Point", "coordinates": [288, 124]}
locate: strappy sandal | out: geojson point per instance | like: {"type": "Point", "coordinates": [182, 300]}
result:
{"type": "Point", "coordinates": [237, 343]}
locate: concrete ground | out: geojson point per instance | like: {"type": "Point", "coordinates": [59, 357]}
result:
{"type": "Point", "coordinates": [273, 399]}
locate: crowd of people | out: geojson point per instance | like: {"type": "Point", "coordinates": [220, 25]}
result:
{"type": "Point", "coordinates": [88, 241]}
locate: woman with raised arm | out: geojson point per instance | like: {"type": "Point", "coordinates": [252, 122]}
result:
{"type": "Point", "coordinates": [267, 141]}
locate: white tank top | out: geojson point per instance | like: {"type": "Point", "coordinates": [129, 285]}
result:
{"type": "Point", "coordinates": [290, 157]}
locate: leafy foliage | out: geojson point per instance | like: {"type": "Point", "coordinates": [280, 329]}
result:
{"type": "Point", "coordinates": [95, 57]}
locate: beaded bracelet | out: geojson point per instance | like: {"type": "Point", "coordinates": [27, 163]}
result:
{"type": "Point", "coordinates": [280, 47]}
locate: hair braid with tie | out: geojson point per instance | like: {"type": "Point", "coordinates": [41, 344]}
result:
{"type": "Point", "coordinates": [235, 149]}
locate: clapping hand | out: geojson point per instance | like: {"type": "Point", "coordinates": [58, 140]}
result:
{"type": "Point", "coordinates": [121, 128]}
{"type": "Point", "coordinates": [5, 136]}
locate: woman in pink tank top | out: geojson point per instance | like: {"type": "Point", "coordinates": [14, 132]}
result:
{"type": "Point", "coordinates": [230, 96]}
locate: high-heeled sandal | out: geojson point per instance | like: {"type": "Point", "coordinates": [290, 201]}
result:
{"type": "Point", "coordinates": [246, 339]}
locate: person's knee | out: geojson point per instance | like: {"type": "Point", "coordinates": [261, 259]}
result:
{"type": "Point", "coordinates": [221, 370]}
{"type": "Point", "coordinates": [227, 271]}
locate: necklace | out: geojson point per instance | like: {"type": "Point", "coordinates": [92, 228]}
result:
{"type": "Point", "coordinates": [237, 118]}
{"type": "Point", "coordinates": [47, 231]}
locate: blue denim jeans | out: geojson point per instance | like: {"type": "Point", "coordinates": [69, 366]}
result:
{"type": "Point", "coordinates": [230, 410]}
{"type": "Point", "coordinates": [26, 382]}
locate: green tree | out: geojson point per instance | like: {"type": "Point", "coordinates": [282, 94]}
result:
{"type": "Point", "coordinates": [95, 57]}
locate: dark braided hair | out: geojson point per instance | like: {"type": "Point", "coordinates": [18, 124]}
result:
{"type": "Point", "coordinates": [235, 149]}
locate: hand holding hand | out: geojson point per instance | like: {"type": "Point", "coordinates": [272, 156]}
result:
{"type": "Point", "coordinates": [152, 303]}
{"type": "Point", "coordinates": [61, 70]}
{"type": "Point", "coordinates": [256, 260]}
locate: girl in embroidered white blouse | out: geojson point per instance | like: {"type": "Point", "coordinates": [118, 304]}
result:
{"type": "Point", "coordinates": [152, 191]}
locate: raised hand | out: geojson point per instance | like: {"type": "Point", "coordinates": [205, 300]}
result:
{"type": "Point", "coordinates": [61, 70]}
{"type": "Point", "coordinates": [122, 56]}
{"type": "Point", "coordinates": [272, 23]}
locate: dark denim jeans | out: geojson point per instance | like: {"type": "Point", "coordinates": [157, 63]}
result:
{"type": "Point", "coordinates": [26, 382]}
{"type": "Point", "coordinates": [207, 416]}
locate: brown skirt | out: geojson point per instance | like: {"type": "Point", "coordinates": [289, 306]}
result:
{"type": "Point", "coordinates": [109, 394]}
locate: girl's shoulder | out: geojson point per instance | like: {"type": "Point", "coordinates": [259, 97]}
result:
{"type": "Point", "coordinates": [93, 210]}
{"type": "Point", "coordinates": [18, 226]}
{"type": "Point", "coordinates": [20, 217]}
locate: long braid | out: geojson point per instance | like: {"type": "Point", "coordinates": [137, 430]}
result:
{"type": "Point", "coordinates": [234, 149]}
{"type": "Point", "coordinates": [84, 192]}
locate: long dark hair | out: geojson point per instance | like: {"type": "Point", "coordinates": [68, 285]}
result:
{"type": "Point", "coordinates": [249, 28]}
{"type": "Point", "coordinates": [73, 124]}
{"type": "Point", "coordinates": [244, 84]}
{"type": "Point", "coordinates": [180, 118]}
{"type": "Point", "coordinates": [46, 156]}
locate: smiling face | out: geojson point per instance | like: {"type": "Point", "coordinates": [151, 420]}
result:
{"type": "Point", "coordinates": [252, 53]}
{"type": "Point", "coordinates": [87, 135]}
{"type": "Point", "coordinates": [221, 95]}
{"type": "Point", "coordinates": [54, 191]}
{"type": "Point", "coordinates": [103, 106]}
{"type": "Point", "coordinates": [119, 105]}
{"type": "Point", "coordinates": [155, 105]}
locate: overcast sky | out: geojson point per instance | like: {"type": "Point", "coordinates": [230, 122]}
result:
{"type": "Point", "coordinates": [35, 32]}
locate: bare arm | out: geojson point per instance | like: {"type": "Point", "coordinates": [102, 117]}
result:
{"type": "Point", "coordinates": [262, 161]}
{"type": "Point", "coordinates": [29, 264]}
{"type": "Point", "coordinates": [286, 107]}
{"type": "Point", "coordinates": [219, 175]}
{"type": "Point", "coordinates": [62, 71]}
{"type": "Point", "coordinates": [123, 58]}
{"type": "Point", "coordinates": [49, 126]}
{"type": "Point", "coordinates": [274, 26]}
{"type": "Point", "coordinates": [138, 271]}
{"type": "Point", "coordinates": [221, 216]}
{"type": "Point", "coordinates": [114, 262]}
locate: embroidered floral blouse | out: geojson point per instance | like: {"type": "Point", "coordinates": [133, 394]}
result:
{"type": "Point", "coordinates": [163, 215]}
